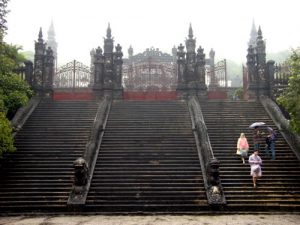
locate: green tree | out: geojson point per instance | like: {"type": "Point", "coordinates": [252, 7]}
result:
{"type": "Point", "coordinates": [290, 99]}
{"type": "Point", "coordinates": [10, 58]}
{"type": "Point", "coordinates": [14, 92]}
{"type": "Point", "coordinates": [3, 12]}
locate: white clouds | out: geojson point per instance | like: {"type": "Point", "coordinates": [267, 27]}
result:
{"type": "Point", "coordinates": [220, 24]}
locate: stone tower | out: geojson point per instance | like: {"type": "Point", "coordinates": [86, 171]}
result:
{"type": "Point", "coordinates": [43, 71]}
{"type": "Point", "coordinates": [191, 69]}
{"type": "Point", "coordinates": [259, 74]}
{"type": "Point", "coordinates": [108, 68]}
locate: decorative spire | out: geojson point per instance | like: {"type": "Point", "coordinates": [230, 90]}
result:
{"type": "Point", "coordinates": [40, 35]}
{"type": "Point", "coordinates": [190, 42]}
{"type": "Point", "coordinates": [174, 51]}
{"type": "Point", "coordinates": [130, 51]}
{"type": "Point", "coordinates": [108, 32]}
{"type": "Point", "coordinates": [253, 35]}
{"type": "Point", "coordinates": [51, 40]}
{"type": "Point", "coordinates": [51, 32]}
{"type": "Point", "coordinates": [191, 31]}
{"type": "Point", "coordinates": [253, 30]}
{"type": "Point", "coordinates": [259, 33]}
{"type": "Point", "coordinates": [212, 54]}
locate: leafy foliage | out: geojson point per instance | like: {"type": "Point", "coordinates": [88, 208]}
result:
{"type": "Point", "coordinates": [2, 106]}
{"type": "Point", "coordinates": [290, 99]}
{"type": "Point", "coordinates": [6, 138]}
{"type": "Point", "coordinates": [15, 91]}
{"type": "Point", "coordinates": [10, 58]}
{"type": "Point", "coordinates": [239, 93]}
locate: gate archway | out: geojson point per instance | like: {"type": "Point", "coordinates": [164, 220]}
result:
{"type": "Point", "coordinates": [72, 75]}
{"type": "Point", "coordinates": [72, 81]}
{"type": "Point", "coordinates": [150, 75]}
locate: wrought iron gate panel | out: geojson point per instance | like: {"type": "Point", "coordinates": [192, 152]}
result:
{"type": "Point", "coordinates": [151, 70]}
{"type": "Point", "coordinates": [217, 74]}
{"type": "Point", "coordinates": [73, 75]}
{"type": "Point", "coordinates": [280, 80]}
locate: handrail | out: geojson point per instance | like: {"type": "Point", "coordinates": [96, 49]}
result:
{"type": "Point", "coordinates": [84, 166]}
{"type": "Point", "coordinates": [209, 164]}
{"type": "Point", "coordinates": [23, 114]}
{"type": "Point", "coordinates": [281, 123]}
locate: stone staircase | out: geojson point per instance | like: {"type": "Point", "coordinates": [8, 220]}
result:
{"type": "Point", "coordinates": [279, 188]}
{"type": "Point", "coordinates": [39, 175]}
{"type": "Point", "coordinates": [148, 161]}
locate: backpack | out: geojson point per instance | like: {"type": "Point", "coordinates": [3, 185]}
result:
{"type": "Point", "coordinates": [273, 136]}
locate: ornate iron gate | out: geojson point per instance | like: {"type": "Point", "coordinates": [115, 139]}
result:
{"type": "Point", "coordinates": [216, 75]}
{"type": "Point", "coordinates": [73, 75]}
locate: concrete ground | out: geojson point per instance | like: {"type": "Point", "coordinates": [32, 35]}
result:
{"type": "Point", "coordinates": [277, 219]}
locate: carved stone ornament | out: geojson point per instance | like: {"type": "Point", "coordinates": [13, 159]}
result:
{"type": "Point", "coordinates": [81, 172]}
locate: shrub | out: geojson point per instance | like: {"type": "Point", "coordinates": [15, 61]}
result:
{"type": "Point", "coordinates": [2, 105]}
{"type": "Point", "coordinates": [13, 101]}
{"type": "Point", "coordinates": [16, 93]}
{"type": "Point", "coordinates": [6, 138]}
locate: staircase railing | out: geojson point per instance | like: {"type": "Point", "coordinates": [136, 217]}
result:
{"type": "Point", "coordinates": [24, 113]}
{"type": "Point", "coordinates": [84, 166]}
{"type": "Point", "coordinates": [209, 164]}
{"type": "Point", "coordinates": [281, 123]}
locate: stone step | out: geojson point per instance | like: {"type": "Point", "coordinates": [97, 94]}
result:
{"type": "Point", "coordinates": [280, 183]}
{"type": "Point", "coordinates": [38, 176]}
{"type": "Point", "coordinates": [148, 159]}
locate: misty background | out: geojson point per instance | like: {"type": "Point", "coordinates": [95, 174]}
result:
{"type": "Point", "coordinates": [222, 25]}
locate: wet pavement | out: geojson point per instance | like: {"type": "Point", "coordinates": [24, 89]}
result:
{"type": "Point", "coordinates": [260, 219]}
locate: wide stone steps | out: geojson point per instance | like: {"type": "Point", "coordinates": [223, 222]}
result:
{"type": "Point", "coordinates": [279, 188]}
{"type": "Point", "coordinates": [148, 161]}
{"type": "Point", "coordinates": [40, 172]}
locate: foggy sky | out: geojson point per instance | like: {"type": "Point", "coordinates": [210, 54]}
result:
{"type": "Point", "coordinates": [223, 25]}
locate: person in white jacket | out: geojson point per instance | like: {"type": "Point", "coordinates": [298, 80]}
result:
{"type": "Point", "coordinates": [255, 165]}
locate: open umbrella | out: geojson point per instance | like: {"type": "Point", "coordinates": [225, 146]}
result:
{"type": "Point", "coordinates": [257, 124]}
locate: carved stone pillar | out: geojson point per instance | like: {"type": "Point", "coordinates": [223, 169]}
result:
{"type": "Point", "coordinates": [48, 72]}
{"type": "Point", "coordinates": [213, 81]}
{"type": "Point", "coordinates": [108, 69]}
{"type": "Point", "coordinates": [118, 62]}
{"type": "Point", "coordinates": [257, 67]}
{"type": "Point", "coordinates": [181, 81]}
{"type": "Point", "coordinates": [252, 86]}
{"type": "Point", "coordinates": [200, 74]}
{"type": "Point", "coordinates": [108, 64]}
{"type": "Point", "coordinates": [191, 70]}
{"type": "Point", "coordinates": [98, 70]}
{"type": "Point", "coordinates": [181, 66]}
{"type": "Point", "coordinates": [40, 48]}
{"type": "Point", "coordinates": [29, 72]}
{"type": "Point", "coordinates": [270, 77]}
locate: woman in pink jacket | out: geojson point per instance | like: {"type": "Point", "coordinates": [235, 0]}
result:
{"type": "Point", "coordinates": [242, 147]}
